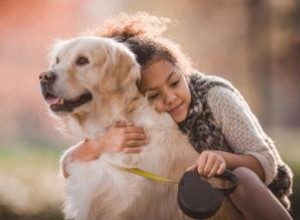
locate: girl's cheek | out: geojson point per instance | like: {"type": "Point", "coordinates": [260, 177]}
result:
{"type": "Point", "coordinates": [158, 106]}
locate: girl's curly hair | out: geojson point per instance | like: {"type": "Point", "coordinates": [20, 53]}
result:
{"type": "Point", "coordinates": [142, 32]}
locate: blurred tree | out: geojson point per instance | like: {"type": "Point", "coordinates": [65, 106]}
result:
{"type": "Point", "coordinates": [259, 52]}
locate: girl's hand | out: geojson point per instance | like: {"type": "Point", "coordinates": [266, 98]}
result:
{"type": "Point", "coordinates": [123, 137]}
{"type": "Point", "coordinates": [209, 163]}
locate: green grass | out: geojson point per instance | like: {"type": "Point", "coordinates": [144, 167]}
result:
{"type": "Point", "coordinates": [16, 156]}
{"type": "Point", "coordinates": [29, 182]}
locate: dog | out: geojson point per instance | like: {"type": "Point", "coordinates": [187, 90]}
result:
{"type": "Point", "coordinates": [90, 85]}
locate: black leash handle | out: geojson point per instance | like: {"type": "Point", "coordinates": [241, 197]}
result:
{"type": "Point", "coordinates": [228, 175]}
{"type": "Point", "coordinates": [198, 198]}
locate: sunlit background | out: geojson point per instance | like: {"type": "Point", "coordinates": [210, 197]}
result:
{"type": "Point", "coordinates": [253, 43]}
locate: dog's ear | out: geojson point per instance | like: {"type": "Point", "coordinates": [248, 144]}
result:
{"type": "Point", "coordinates": [127, 68]}
{"type": "Point", "coordinates": [121, 70]}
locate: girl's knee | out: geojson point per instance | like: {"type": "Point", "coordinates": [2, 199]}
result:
{"type": "Point", "coordinates": [248, 181]}
{"type": "Point", "coordinates": [245, 175]}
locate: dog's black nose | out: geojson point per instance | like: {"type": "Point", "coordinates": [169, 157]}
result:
{"type": "Point", "coordinates": [47, 77]}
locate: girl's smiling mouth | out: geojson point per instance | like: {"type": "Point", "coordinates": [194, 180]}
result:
{"type": "Point", "coordinates": [177, 109]}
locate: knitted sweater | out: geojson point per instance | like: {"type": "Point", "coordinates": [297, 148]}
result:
{"type": "Point", "coordinates": [220, 119]}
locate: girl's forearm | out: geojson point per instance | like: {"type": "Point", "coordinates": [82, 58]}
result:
{"type": "Point", "coordinates": [84, 151]}
{"type": "Point", "coordinates": [239, 160]}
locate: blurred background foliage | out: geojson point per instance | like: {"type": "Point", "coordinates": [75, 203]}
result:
{"type": "Point", "coordinates": [253, 43]}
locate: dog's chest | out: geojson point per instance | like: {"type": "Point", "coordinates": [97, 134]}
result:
{"type": "Point", "coordinates": [112, 193]}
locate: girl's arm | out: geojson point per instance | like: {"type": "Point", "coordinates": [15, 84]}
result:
{"type": "Point", "coordinates": [87, 150]}
{"type": "Point", "coordinates": [242, 160]}
{"type": "Point", "coordinates": [243, 133]}
{"type": "Point", "coordinates": [124, 138]}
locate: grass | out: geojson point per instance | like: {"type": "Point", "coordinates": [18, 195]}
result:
{"type": "Point", "coordinates": [29, 182]}
{"type": "Point", "coordinates": [13, 157]}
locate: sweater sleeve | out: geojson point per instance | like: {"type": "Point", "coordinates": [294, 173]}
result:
{"type": "Point", "coordinates": [241, 128]}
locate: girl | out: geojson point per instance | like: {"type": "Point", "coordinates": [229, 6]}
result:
{"type": "Point", "coordinates": [216, 118]}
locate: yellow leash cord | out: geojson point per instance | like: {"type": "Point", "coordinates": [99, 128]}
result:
{"type": "Point", "coordinates": [146, 174]}
{"type": "Point", "coordinates": [149, 175]}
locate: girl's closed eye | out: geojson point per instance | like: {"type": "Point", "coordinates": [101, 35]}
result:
{"type": "Point", "coordinates": [152, 96]}
{"type": "Point", "coordinates": [175, 83]}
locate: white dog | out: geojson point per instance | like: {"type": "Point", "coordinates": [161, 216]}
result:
{"type": "Point", "coordinates": [91, 85]}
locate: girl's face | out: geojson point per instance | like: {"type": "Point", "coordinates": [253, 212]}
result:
{"type": "Point", "coordinates": [166, 88]}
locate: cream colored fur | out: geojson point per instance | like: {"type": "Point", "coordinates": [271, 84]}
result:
{"type": "Point", "coordinates": [96, 189]}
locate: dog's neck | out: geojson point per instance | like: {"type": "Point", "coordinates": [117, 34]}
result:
{"type": "Point", "coordinates": [93, 123]}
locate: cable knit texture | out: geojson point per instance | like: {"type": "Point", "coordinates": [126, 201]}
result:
{"type": "Point", "coordinates": [220, 119]}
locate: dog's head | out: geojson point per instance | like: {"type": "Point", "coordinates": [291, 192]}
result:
{"type": "Point", "coordinates": [88, 79]}
{"type": "Point", "coordinates": [84, 68]}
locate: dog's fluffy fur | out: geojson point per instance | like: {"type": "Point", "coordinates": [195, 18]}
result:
{"type": "Point", "coordinates": [97, 189]}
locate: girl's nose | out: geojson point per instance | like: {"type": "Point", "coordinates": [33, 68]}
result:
{"type": "Point", "coordinates": [170, 97]}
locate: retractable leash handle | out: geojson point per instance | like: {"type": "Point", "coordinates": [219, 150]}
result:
{"type": "Point", "coordinates": [198, 199]}
{"type": "Point", "coordinates": [228, 175]}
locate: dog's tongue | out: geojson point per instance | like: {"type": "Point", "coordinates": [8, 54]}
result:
{"type": "Point", "coordinates": [52, 101]}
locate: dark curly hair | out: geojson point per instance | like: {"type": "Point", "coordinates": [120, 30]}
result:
{"type": "Point", "coordinates": [141, 32]}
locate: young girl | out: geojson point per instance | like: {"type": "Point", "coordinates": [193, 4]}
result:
{"type": "Point", "coordinates": [217, 120]}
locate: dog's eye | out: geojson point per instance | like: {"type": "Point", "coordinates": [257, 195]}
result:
{"type": "Point", "coordinates": [57, 60]}
{"type": "Point", "coordinates": [82, 61]}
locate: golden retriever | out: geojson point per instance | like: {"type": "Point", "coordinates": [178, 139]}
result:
{"type": "Point", "coordinates": [91, 84]}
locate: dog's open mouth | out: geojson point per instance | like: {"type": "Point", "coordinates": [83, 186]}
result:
{"type": "Point", "coordinates": [58, 104]}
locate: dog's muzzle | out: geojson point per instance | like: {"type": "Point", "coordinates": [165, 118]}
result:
{"type": "Point", "coordinates": [47, 80]}
{"type": "Point", "coordinates": [56, 102]}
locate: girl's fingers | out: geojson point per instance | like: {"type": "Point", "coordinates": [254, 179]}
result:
{"type": "Point", "coordinates": [202, 160]}
{"type": "Point", "coordinates": [132, 150]}
{"type": "Point", "coordinates": [213, 170]}
{"type": "Point", "coordinates": [221, 168]}
{"type": "Point", "coordinates": [136, 143]}
{"type": "Point", "coordinates": [136, 137]}
{"type": "Point", "coordinates": [208, 165]}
